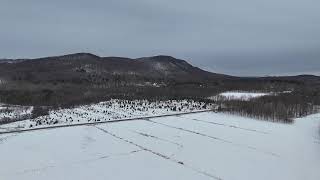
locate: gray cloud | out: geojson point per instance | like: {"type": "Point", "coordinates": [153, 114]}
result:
{"type": "Point", "coordinates": [248, 37]}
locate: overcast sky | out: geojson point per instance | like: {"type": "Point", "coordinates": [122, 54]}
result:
{"type": "Point", "coordinates": [238, 37]}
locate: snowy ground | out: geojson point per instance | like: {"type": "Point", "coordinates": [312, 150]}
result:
{"type": "Point", "coordinates": [242, 95]}
{"type": "Point", "coordinates": [198, 146]}
{"type": "Point", "coordinates": [106, 111]}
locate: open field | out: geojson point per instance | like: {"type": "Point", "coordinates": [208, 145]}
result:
{"type": "Point", "coordinates": [195, 146]}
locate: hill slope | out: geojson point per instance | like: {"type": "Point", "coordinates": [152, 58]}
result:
{"type": "Point", "coordinates": [85, 78]}
{"type": "Point", "coordinates": [84, 67]}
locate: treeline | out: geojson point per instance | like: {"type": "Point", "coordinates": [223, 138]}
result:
{"type": "Point", "coordinates": [283, 107]}
{"type": "Point", "coordinates": [278, 108]}
{"type": "Point", "coordinates": [7, 120]}
{"type": "Point", "coordinates": [68, 95]}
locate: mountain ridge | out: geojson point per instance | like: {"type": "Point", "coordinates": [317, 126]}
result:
{"type": "Point", "coordinates": [84, 78]}
{"type": "Point", "coordinates": [156, 58]}
{"type": "Point", "coordinates": [154, 68]}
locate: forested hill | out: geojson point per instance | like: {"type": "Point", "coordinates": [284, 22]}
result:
{"type": "Point", "coordinates": [88, 68]}
{"type": "Point", "coordinates": [84, 78]}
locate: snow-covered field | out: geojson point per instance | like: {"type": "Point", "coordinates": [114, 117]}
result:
{"type": "Point", "coordinates": [106, 111]}
{"type": "Point", "coordinates": [187, 147]}
{"type": "Point", "coordinates": [245, 96]}
{"type": "Point", "coordinates": [242, 95]}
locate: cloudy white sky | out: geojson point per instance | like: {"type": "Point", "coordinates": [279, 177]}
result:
{"type": "Point", "coordinates": [247, 37]}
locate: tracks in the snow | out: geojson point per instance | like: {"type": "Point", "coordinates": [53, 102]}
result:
{"type": "Point", "coordinates": [160, 154]}
{"type": "Point", "coordinates": [215, 138]}
{"type": "Point", "coordinates": [49, 166]}
{"type": "Point", "coordinates": [180, 146]}
{"type": "Point", "coordinates": [225, 125]}
{"type": "Point", "coordinates": [157, 138]}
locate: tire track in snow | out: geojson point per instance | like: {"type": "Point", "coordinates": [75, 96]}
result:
{"type": "Point", "coordinates": [159, 154]}
{"type": "Point", "coordinates": [157, 138]}
{"type": "Point", "coordinates": [180, 146]}
{"type": "Point", "coordinates": [215, 138]}
{"type": "Point", "coordinates": [44, 168]}
{"type": "Point", "coordinates": [225, 125]}
{"type": "Point", "coordinates": [110, 156]}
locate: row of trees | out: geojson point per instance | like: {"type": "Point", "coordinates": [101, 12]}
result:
{"type": "Point", "coordinates": [282, 107]}
{"type": "Point", "coordinates": [64, 95]}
